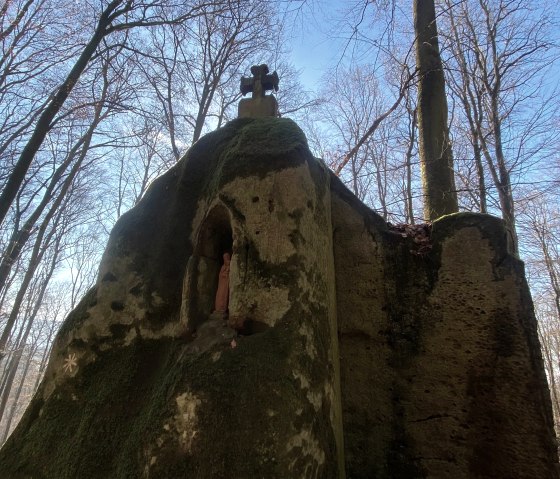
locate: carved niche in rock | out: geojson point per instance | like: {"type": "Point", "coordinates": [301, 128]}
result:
{"type": "Point", "coordinates": [202, 292]}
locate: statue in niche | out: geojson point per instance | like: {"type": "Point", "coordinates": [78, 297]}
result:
{"type": "Point", "coordinates": [222, 293]}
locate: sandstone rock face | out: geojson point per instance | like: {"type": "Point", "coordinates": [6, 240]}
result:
{"type": "Point", "coordinates": [345, 351]}
{"type": "Point", "coordinates": [440, 363]}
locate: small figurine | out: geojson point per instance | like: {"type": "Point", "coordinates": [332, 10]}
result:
{"type": "Point", "coordinates": [222, 293]}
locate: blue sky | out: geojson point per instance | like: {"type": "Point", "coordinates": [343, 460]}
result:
{"type": "Point", "coordinates": [314, 47]}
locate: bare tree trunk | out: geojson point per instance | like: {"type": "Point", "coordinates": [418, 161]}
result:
{"type": "Point", "coordinates": [41, 244]}
{"type": "Point", "coordinates": [381, 180]}
{"type": "Point", "coordinates": [14, 363]}
{"type": "Point", "coordinates": [355, 188]}
{"type": "Point", "coordinates": [550, 266]}
{"type": "Point", "coordinates": [463, 86]}
{"type": "Point", "coordinates": [371, 130]}
{"type": "Point", "coordinates": [12, 370]}
{"type": "Point", "coordinates": [408, 193]}
{"type": "Point", "coordinates": [114, 10]}
{"type": "Point", "coordinates": [483, 205]}
{"type": "Point", "coordinates": [440, 195]}
{"type": "Point", "coordinates": [20, 237]}
{"type": "Point", "coordinates": [44, 122]}
{"type": "Point", "coordinates": [16, 399]}
{"type": "Point", "coordinates": [504, 184]}
{"type": "Point", "coordinates": [549, 365]}
{"type": "Point", "coordinates": [46, 355]}
{"type": "Point", "coordinates": [493, 58]}
{"type": "Point", "coordinates": [16, 21]}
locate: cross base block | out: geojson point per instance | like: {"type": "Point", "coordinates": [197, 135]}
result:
{"type": "Point", "coordinates": [258, 107]}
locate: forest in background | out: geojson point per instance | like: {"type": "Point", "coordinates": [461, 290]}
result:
{"type": "Point", "coordinates": [98, 98]}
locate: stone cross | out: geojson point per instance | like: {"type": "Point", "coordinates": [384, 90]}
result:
{"type": "Point", "coordinates": [261, 81]}
{"type": "Point", "coordinates": [259, 105]}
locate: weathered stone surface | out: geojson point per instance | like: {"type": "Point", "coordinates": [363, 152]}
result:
{"type": "Point", "coordinates": [260, 107]}
{"type": "Point", "coordinates": [441, 373]}
{"type": "Point", "coordinates": [161, 391]}
{"type": "Point", "coordinates": [344, 351]}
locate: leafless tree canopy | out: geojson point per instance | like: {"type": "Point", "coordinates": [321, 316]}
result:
{"type": "Point", "coordinates": [99, 98]}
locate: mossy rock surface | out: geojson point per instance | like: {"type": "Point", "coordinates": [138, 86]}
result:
{"type": "Point", "coordinates": [152, 398]}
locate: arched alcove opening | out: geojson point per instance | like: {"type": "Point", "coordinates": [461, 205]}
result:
{"type": "Point", "coordinates": [214, 238]}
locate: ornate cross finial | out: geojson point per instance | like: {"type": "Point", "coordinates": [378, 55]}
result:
{"type": "Point", "coordinates": [259, 105]}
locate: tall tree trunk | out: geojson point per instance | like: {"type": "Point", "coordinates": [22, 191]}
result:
{"type": "Point", "coordinates": [44, 122]}
{"type": "Point", "coordinates": [465, 89]}
{"type": "Point", "coordinates": [45, 356]}
{"type": "Point", "coordinates": [412, 119]}
{"type": "Point", "coordinates": [483, 205]}
{"type": "Point", "coordinates": [16, 399]}
{"type": "Point", "coordinates": [504, 185]}
{"type": "Point", "coordinates": [440, 195]}
{"type": "Point", "coordinates": [39, 249]}
{"type": "Point", "coordinates": [20, 237]}
{"type": "Point", "coordinates": [544, 337]}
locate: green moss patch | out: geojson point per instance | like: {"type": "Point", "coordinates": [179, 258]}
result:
{"type": "Point", "coordinates": [94, 425]}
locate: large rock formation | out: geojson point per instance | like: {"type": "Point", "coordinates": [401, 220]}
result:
{"type": "Point", "coordinates": [347, 349]}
